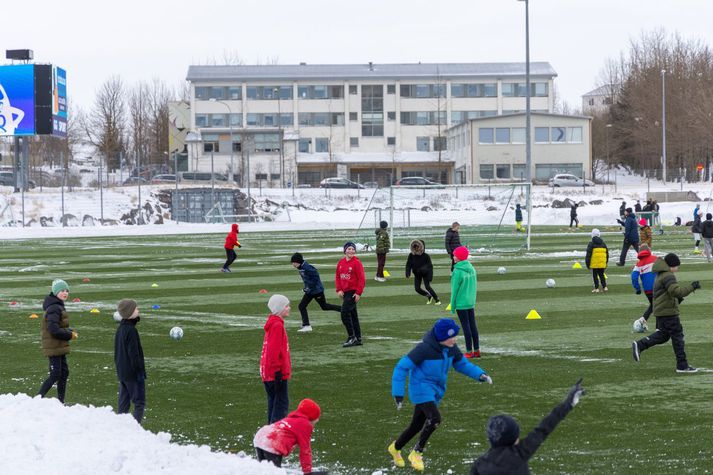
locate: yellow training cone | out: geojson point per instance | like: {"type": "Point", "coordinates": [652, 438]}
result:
{"type": "Point", "coordinates": [533, 315]}
{"type": "Point", "coordinates": [576, 265]}
{"type": "Point", "coordinates": [94, 310]}
{"type": "Point", "coordinates": [386, 273]}
{"type": "Point", "coordinates": [448, 307]}
{"type": "Point", "coordinates": [154, 284]}
{"type": "Point", "coordinates": [34, 315]}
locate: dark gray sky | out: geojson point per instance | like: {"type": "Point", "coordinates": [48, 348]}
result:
{"type": "Point", "coordinates": [140, 40]}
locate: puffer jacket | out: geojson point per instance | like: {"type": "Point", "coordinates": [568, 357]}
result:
{"type": "Point", "coordinates": [646, 235]}
{"type": "Point", "coordinates": [419, 261]}
{"type": "Point", "coordinates": [231, 240]}
{"type": "Point", "coordinates": [464, 286]}
{"type": "Point", "coordinates": [382, 241]}
{"type": "Point", "coordinates": [707, 228]}
{"type": "Point", "coordinates": [631, 229]}
{"type": "Point", "coordinates": [667, 291]}
{"type": "Point", "coordinates": [644, 270]}
{"type": "Point", "coordinates": [597, 254]}
{"type": "Point", "coordinates": [427, 367]}
{"type": "Point", "coordinates": [452, 241]}
{"type": "Point", "coordinates": [518, 213]}
{"type": "Point", "coordinates": [275, 356]}
{"type": "Point", "coordinates": [696, 227]}
{"type": "Point", "coordinates": [55, 331]}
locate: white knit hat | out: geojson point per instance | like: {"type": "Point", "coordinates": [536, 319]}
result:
{"type": "Point", "coordinates": [596, 232]}
{"type": "Point", "coordinates": [277, 303]}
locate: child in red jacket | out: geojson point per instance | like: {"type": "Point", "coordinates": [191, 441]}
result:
{"type": "Point", "coordinates": [275, 364]}
{"type": "Point", "coordinates": [274, 441]}
{"type": "Point", "coordinates": [231, 240]}
{"type": "Point", "coordinates": [349, 281]}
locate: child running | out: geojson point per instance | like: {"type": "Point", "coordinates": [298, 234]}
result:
{"type": "Point", "coordinates": [420, 263]}
{"type": "Point", "coordinates": [349, 282]}
{"type": "Point", "coordinates": [426, 366]}
{"type": "Point", "coordinates": [464, 285]}
{"type": "Point", "coordinates": [643, 270]}
{"type": "Point", "coordinates": [231, 241]}
{"type": "Point", "coordinates": [313, 289]}
{"type": "Point", "coordinates": [597, 258]}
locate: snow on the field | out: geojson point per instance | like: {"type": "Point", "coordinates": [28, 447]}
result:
{"type": "Point", "coordinates": [43, 436]}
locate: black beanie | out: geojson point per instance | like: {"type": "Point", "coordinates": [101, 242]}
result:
{"type": "Point", "coordinates": [297, 257]}
{"type": "Point", "coordinates": [672, 260]}
{"type": "Point", "coordinates": [709, 216]}
{"type": "Point", "coordinates": [383, 225]}
{"type": "Point", "coordinates": [502, 430]}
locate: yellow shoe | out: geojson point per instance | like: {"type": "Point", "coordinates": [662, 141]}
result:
{"type": "Point", "coordinates": [416, 460]}
{"type": "Point", "coordinates": [396, 454]}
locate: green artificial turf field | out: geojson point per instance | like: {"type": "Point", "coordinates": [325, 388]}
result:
{"type": "Point", "coordinates": [206, 388]}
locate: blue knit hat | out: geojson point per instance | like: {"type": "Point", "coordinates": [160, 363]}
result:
{"type": "Point", "coordinates": [445, 328]}
{"type": "Point", "coordinates": [502, 430]}
{"type": "Point", "coordinates": [349, 244]}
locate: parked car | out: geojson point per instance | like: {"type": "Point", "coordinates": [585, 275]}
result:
{"type": "Point", "coordinates": [417, 181]}
{"type": "Point", "coordinates": [565, 179]}
{"type": "Point", "coordinates": [201, 177]}
{"type": "Point", "coordinates": [158, 179]}
{"type": "Point", "coordinates": [371, 184]}
{"type": "Point", "coordinates": [6, 179]}
{"type": "Point", "coordinates": [339, 183]}
{"type": "Point", "coordinates": [304, 185]}
{"type": "Point", "coordinates": [134, 180]}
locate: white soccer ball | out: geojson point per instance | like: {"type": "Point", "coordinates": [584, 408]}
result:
{"type": "Point", "coordinates": [176, 333]}
{"type": "Point", "coordinates": [550, 283]}
{"type": "Point", "coordinates": [501, 270]}
{"type": "Point", "coordinates": [639, 326]}
{"type": "Point", "coordinates": [117, 316]}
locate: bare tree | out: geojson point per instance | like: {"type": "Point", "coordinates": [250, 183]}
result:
{"type": "Point", "coordinates": [105, 124]}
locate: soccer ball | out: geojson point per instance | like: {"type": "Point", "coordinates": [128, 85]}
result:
{"type": "Point", "coordinates": [501, 270]}
{"type": "Point", "coordinates": [550, 283]}
{"type": "Point", "coordinates": [176, 333]}
{"type": "Point", "coordinates": [117, 316]}
{"type": "Point", "coordinates": [639, 326]}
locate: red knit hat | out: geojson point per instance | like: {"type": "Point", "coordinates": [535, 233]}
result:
{"type": "Point", "coordinates": [643, 222]}
{"type": "Point", "coordinates": [461, 253]}
{"type": "Point", "coordinates": [309, 408]}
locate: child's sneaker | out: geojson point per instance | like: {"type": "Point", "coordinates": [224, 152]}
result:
{"type": "Point", "coordinates": [605, 289]}
{"type": "Point", "coordinates": [416, 460]}
{"type": "Point", "coordinates": [396, 454]}
{"type": "Point", "coordinates": [476, 354]}
{"type": "Point", "coordinates": [595, 291]}
{"type": "Point", "coordinates": [635, 352]}
{"type": "Point", "coordinates": [468, 354]}
{"type": "Point", "coordinates": [437, 302]}
{"type": "Point", "coordinates": [688, 369]}
{"type": "Point", "coordinates": [429, 301]}
{"type": "Point", "coordinates": [305, 328]}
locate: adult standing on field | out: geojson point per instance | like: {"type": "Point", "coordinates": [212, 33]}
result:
{"type": "Point", "coordinates": [452, 241]}
{"type": "Point", "coordinates": [622, 210]}
{"type": "Point", "coordinates": [56, 334]}
{"type": "Point", "coordinates": [631, 235]}
{"type": "Point", "coordinates": [573, 216]}
{"type": "Point", "coordinates": [313, 290]}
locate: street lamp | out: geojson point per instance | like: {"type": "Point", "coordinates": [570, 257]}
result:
{"type": "Point", "coordinates": [663, 123]}
{"type": "Point", "coordinates": [230, 127]}
{"type": "Point", "coordinates": [528, 138]}
{"type": "Point", "coordinates": [608, 126]}
{"type": "Point", "coordinates": [279, 132]}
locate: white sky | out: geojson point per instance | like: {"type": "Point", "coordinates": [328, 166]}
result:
{"type": "Point", "coordinates": [140, 40]}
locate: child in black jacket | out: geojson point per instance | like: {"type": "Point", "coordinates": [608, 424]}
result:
{"type": "Point", "coordinates": [129, 361]}
{"type": "Point", "coordinates": [508, 455]}
{"type": "Point", "coordinates": [420, 263]}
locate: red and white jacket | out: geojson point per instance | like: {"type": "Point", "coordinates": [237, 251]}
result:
{"type": "Point", "coordinates": [282, 436]}
{"type": "Point", "coordinates": [275, 350]}
{"type": "Point", "coordinates": [350, 275]}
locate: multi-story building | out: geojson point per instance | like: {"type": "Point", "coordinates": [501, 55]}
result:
{"type": "Point", "coordinates": [598, 100]}
{"type": "Point", "coordinates": [368, 122]}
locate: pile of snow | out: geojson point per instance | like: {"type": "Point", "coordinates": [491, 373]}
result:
{"type": "Point", "coordinates": [43, 436]}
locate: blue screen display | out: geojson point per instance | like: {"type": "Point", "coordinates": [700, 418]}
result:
{"type": "Point", "coordinates": [17, 101]}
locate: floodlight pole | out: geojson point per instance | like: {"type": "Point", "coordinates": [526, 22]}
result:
{"type": "Point", "coordinates": [175, 197]}
{"type": "Point", "coordinates": [528, 136]}
{"type": "Point", "coordinates": [663, 124]}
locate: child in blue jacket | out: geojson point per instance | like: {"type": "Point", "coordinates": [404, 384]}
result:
{"type": "Point", "coordinates": [427, 367]}
{"type": "Point", "coordinates": [643, 270]}
{"type": "Point", "coordinates": [313, 290]}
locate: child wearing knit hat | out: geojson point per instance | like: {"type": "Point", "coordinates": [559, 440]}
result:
{"type": "Point", "coordinates": [596, 260]}
{"type": "Point", "coordinates": [313, 290]}
{"type": "Point", "coordinates": [56, 334]}
{"type": "Point", "coordinates": [277, 440]}
{"type": "Point", "coordinates": [275, 363]}
{"type": "Point", "coordinates": [426, 367]}
{"type": "Point", "coordinates": [509, 454]}
{"type": "Point", "coordinates": [129, 360]}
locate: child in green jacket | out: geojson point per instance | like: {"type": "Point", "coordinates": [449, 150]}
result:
{"type": "Point", "coordinates": [464, 282]}
{"type": "Point", "coordinates": [383, 244]}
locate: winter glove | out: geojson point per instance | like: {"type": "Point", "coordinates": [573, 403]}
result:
{"type": "Point", "coordinates": [399, 402]}
{"type": "Point", "coordinates": [680, 300]}
{"type": "Point", "coordinates": [74, 335]}
{"type": "Point", "coordinates": [638, 292]}
{"type": "Point", "coordinates": [278, 377]}
{"type": "Point", "coordinates": [484, 378]}
{"type": "Point", "coordinates": [575, 393]}
{"type": "Point", "coordinates": [239, 246]}
{"type": "Point", "coordinates": [696, 285]}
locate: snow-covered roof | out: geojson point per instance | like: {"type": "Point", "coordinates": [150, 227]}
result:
{"type": "Point", "coordinates": [214, 73]}
{"type": "Point", "coordinates": [403, 157]}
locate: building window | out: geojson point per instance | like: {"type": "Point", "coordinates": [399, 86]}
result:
{"type": "Point", "coordinates": [518, 172]}
{"type": "Point", "coordinates": [518, 135]}
{"type": "Point", "coordinates": [423, 118]}
{"type": "Point", "coordinates": [542, 134]}
{"type": "Point", "coordinates": [391, 115]}
{"type": "Point", "coordinates": [502, 171]}
{"type": "Point", "coordinates": [353, 116]}
{"type": "Point", "coordinates": [236, 120]}
{"type": "Point", "coordinates": [502, 135]}
{"type": "Point", "coordinates": [267, 142]}
{"type": "Point", "coordinates": [485, 135]}
{"type": "Point", "coordinates": [217, 120]}
{"type": "Point", "coordinates": [261, 176]}
{"type": "Point", "coordinates": [321, 145]}
{"type": "Point", "coordinates": [486, 172]}
{"type": "Point", "coordinates": [515, 89]}
{"type": "Point", "coordinates": [574, 135]}
{"type": "Point", "coordinates": [320, 92]}
{"type": "Point", "coordinates": [320, 119]}
{"type": "Point", "coordinates": [353, 141]}
{"type": "Point", "coordinates": [390, 140]}
{"type": "Point", "coordinates": [235, 93]}
{"type": "Point", "coordinates": [209, 147]}
{"type": "Point", "coordinates": [440, 143]}
{"type": "Point", "coordinates": [202, 93]}
{"type": "Point", "coordinates": [391, 89]}
{"type": "Point", "coordinates": [269, 120]}
{"type": "Point", "coordinates": [372, 110]}
{"type": "Point", "coordinates": [217, 92]}
{"type": "Point", "coordinates": [274, 176]}
{"type": "Point", "coordinates": [336, 118]}
{"type": "Point", "coordinates": [269, 92]}
{"type": "Point", "coordinates": [423, 90]}
{"type": "Point", "coordinates": [422, 144]}
{"type": "Point", "coordinates": [545, 171]}
{"type": "Point", "coordinates": [304, 145]}
{"type": "Point", "coordinates": [558, 134]}
{"type": "Point", "coordinates": [474, 90]}
{"type": "Point", "coordinates": [201, 120]}
{"type": "Point", "coordinates": [237, 146]}
{"type": "Point", "coordinates": [353, 89]}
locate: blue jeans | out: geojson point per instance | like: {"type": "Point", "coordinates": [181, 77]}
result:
{"type": "Point", "coordinates": [470, 329]}
{"type": "Point", "coordinates": [277, 400]}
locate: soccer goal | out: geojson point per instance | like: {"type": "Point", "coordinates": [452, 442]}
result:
{"type": "Point", "coordinates": [486, 214]}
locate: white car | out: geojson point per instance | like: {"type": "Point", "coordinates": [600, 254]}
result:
{"type": "Point", "coordinates": [565, 179]}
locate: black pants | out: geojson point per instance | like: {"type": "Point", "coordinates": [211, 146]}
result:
{"type": "Point", "coordinates": [573, 219]}
{"type": "Point", "coordinates": [625, 249]}
{"type": "Point", "coordinates": [453, 261]}
{"type": "Point", "coordinates": [470, 329]}
{"type": "Point", "coordinates": [667, 328]}
{"type": "Point", "coordinates": [321, 300]}
{"type": "Point", "coordinates": [426, 419]}
{"type": "Point", "coordinates": [598, 276]}
{"type": "Point", "coordinates": [350, 317]}
{"type": "Point", "coordinates": [132, 391]}
{"type": "Point", "coordinates": [230, 258]}
{"type": "Point", "coordinates": [426, 279]}
{"type": "Point", "coordinates": [647, 312]}
{"type": "Point", "coordinates": [380, 263]}
{"type": "Point", "coordinates": [277, 400]}
{"type": "Point", "coordinates": [59, 372]}
{"type": "Point", "coordinates": [274, 459]}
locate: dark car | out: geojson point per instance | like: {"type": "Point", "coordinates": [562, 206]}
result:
{"type": "Point", "coordinates": [417, 181]}
{"type": "Point", "coordinates": [339, 183]}
{"type": "Point", "coordinates": [158, 179]}
{"type": "Point", "coordinates": [6, 179]}
{"type": "Point", "coordinates": [134, 180]}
